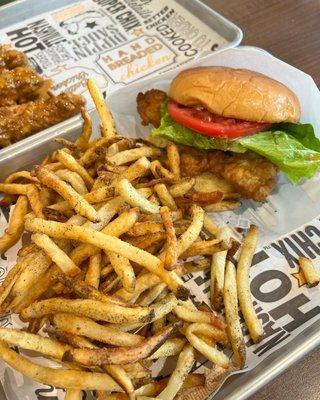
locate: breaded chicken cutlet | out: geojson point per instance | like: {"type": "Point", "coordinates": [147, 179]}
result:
{"type": "Point", "coordinates": [252, 175]}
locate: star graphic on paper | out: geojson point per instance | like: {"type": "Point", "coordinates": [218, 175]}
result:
{"type": "Point", "coordinates": [300, 277]}
{"type": "Point", "coordinates": [91, 25]}
{"type": "Point", "coordinates": [137, 31]}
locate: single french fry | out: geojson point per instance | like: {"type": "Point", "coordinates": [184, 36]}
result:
{"type": "Point", "coordinates": [94, 270]}
{"type": "Point", "coordinates": [57, 255]}
{"type": "Point", "coordinates": [230, 299]}
{"type": "Point", "coordinates": [243, 285]}
{"type": "Point", "coordinates": [34, 198]}
{"type": "Point", "coordinates": [173, 158]}
{"type": "Point", "coordinates": [126, 156]}
{"type": "Point", "coordinates": [94, 309]}
{"type": "Point", "coordinates": [20, 175]}
{"type": "Point", "coordinates": [30, 341]}
{"type": "Point", "coordinates": [16, 225]}
{"type": "Point", "coordinates": [309, 271]}
{"type": "Point", "coordinates": [76, 201]}
{"type": "Point", "coordinates": [73, 165]}
{"type": "Point", "coordinates": [83, 140]}
{"type": "Point", "coordinates": [120, 355]}
{"type": "Point", "coordinates": [124, 270]}
{"type": "Point", "coordinates": [211, 353]}
{"type": "Point", "coordinates": [171, 251]}
{"type": "Point", "coordinates": [183, 367]}
{"type": "Point", "coordinates": [191, 234]}
{"type": "Point", "coordinates": [107, 122]}
{"type": "Point", "coordinates": [134, 198]}
{"type": "Point", "coordinates": [165, 196]}
{"type": "Point", "coordinates": [171, 347]}
{"type": "Point", "coordinates": [182, 187]}
{"type": "Point", "coordinates": [218, 263]}
{"type": "Point", "coordinates": [121, 377]}
{"type": "Point", "coordinates": [73, 379]}
{"type": "Point", "coordinates": [73, 179]}
{"type": "Point", "coordinates": [14, 188]}
{"type": "Point", "coordinates": [189, 315]}
{"type": "Point", "coordinates": [86, 327]}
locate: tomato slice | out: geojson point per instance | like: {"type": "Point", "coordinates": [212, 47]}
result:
{"type": "Point", "coordinates": [203, 121]}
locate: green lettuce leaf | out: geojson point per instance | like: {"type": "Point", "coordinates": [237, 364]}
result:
{"type": "Point", "coordinates": [294, 148]}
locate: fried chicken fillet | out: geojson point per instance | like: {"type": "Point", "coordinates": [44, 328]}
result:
{"type": "Point", "coordinates": [252, 175]}
{"type": "Point", "coordinates": [20, 121]}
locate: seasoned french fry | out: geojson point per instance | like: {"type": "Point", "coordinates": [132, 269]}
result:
{"type": "Point", "coordinates": [107, 122]}
{"type": "Point", "coordinates": [14, 188]}
{"type": "Point", "coordinates": [76, 201]}
{"type": "Point", "coordinates": [211, 353]}
{"type": "Point", "coordinates": [144, 228]}
{"type": "Point", "coordinates": [83, 140]}
{"type": "Point", "coordinates": [72, 164]}
{"type": "Point", "coordinates": [132, 197]}
{"type": "Point", "coordinates": [234, 330]}
{"type": "Point", "coordinates": [20, 175]}
{"type": "Point", "coordinates": [73, 179]}
{"type": "Point", "coordinates": [243, 285]}
{"type": "Point", "coordinates": [171, 252]}
{"type": "Point", "coordinates": [191, 234]}
{"type": "Point", "coordinates": [86, 327]}
{"type": "Point", "coordinates": [120, 355]}
{"type": "Point", "coordinates": [16, 225]}
{"type": "Point", "coordinates": [94, 309]}
{"type": "Point", "coordinates": [171, 347]}
{"type": "Point", "coordinates": [124, 270]}
{"type": "Point", "coordinates": [183, 367]}
{"type": "Point", "coordinates": [73, 379]}
{"type": "Point", "coordinates": [173, 158]}
{"type": "Point", "coordinates": [205, 247]}
{"type": "Point", "coordinates": [121, 377]}
{"type": "Point", "coordinates": [218, 264]}
{"type": "Point", "coordinates": [57, 255]}
{"type": "Point", "coordinates": [165, 196]}
{"type": "Point", "coordinates": [35, 200]}
{"type": "Point", "coordinates": [94, 271]}
{"type": "Point", "coordinates": [182, 187]}
{"type": "Point", "coordinates": [92, 153]}
{"type": "Point", "coordinates": [189, 315]}
{"type": "Point", "coordinates": [126, 156]}
{"type": "Point", "coordinates": [30, 341]}
{"type": "Point", "coordinates": [309, 271]}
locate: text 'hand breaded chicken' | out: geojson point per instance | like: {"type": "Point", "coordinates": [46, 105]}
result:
{"type": "Point", "coordinates": [253, 176]}
{"type": "Point", "coordinates": [20, 121]}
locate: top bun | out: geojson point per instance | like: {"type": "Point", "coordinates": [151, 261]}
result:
{"type": "Point", "coordinates": [236, 93]}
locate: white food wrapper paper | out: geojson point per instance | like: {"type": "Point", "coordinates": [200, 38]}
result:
{"type": "Point", "coordinates": [288, 221]}
{"type": "Point", "coordinates": [115, 42]}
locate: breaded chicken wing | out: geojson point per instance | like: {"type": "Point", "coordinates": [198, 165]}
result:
{"type": "Point", "coordinates": [11, 58]}
{"type": "Point", "coordinates": [19, 85]}
{"type": "Point", "coordinates": [149, 106]}
{"type": "Point", "coordinates": [20, 121]}
{"type": "Point", "coordinates": [253, 176]}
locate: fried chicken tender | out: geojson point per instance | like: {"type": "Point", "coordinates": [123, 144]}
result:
{"type": "Point", "coordinates": [149, 106]}
{"type": "Point", "coordinates": [19, 85]}
{"type": "Point", "coordinates": [11, 58]}
{"type": "Point", "coordinates": [20, 121]}
{"type": "Point", "coordinates": [252, 175]}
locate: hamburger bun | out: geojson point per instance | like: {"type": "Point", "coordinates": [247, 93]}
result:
{"type": "Point", "coordinates": [236, 93]}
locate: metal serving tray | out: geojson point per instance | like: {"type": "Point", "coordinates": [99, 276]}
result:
{"type": "Point", "coordinates": [20, 10]}
{"type": "Point", "coordinates": [237, 387]}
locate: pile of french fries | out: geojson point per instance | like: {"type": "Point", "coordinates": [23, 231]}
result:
{"type": "Point", "coordinates": [100, 285]}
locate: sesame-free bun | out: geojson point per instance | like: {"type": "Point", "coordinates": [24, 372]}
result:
{"type": "Point", "coordinates": [236, 93]}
